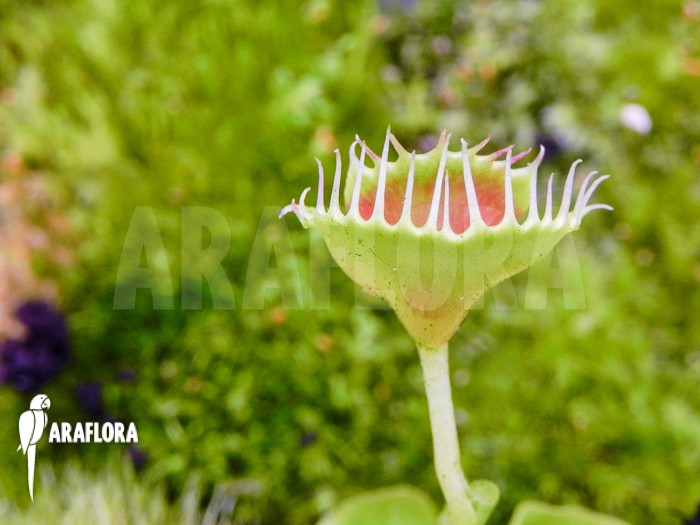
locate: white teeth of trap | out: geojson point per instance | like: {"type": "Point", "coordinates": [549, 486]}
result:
{"type": "Point", "coordinates": [408, 198]}
{"type": "Point", "coordinates": [446, 208]}
{"type": "Point", "coordinates": [589, 193]}
{"type": "Point", "coordinates": [509, 208]}
{"type": "Point", "coordinates": [578, 207]}
{"type": "Point", "coordinates": [589, 209]}
{"type": "Point", "coordinates": [320, 205]}
{"type": "Point", "coordinates": [533, 215]}
{"type": "Point", "coordinates": [335, 194]}
{"type": "Point", "coordinates": [371, 154]}
{"type": "Point", "coordinates": [437, 193]}
{"type": "Point", "coordinates": [481, 144]}
{"type": "Point", "coordinates": [547, 219]}
{"type": "Point", "coordinates": [520, 155]}
{"type": "Point", "coordinates": [566, 216]}
{"type": "Point", "coordinates": [563, 214]}
{"type": "Point", "coordinates": [378, 213]}
{"type": "Point", "coordinates": [355, 202]}
{"type": "Point", "coordinates": [472, 201]}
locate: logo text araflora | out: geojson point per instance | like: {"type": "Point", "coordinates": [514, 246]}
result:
{"type": "Point", "coordinates": [33, 422]}
{"type": "Point", "coordinates": [92, 432]}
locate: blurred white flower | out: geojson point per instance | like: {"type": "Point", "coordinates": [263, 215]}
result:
{"type": "Point", "coordinates": [636, 117]}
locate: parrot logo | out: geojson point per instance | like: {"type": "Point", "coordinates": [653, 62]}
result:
{"type": "Point", "coordinates": [31, 427]}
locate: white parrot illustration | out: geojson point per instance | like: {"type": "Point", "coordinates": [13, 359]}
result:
{"type": "Point", "coordinates": [31, 427]}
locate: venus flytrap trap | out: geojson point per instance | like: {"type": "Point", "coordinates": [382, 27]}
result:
{"type": "Point", "coordinates": [430, 233]}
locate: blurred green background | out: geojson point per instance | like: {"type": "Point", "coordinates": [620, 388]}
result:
{"type": "Point", "coordinates": [276, 410]}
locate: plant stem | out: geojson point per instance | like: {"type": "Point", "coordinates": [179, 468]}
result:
{"type": "Point", "coordinates": [436, 373]}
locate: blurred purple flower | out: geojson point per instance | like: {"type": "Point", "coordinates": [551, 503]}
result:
{"type": "Point", "coordinates": [427, 142]}
{"type": "Point", "coordinates": [553, 147]}
{"type": "Point", "coordinates": [307, 439]}
{"type": "Point", "coordinates": [695, 520]}
{"type": "Point", "coordinates": [90, 397]}
{"type": "Point", "coordinates": [402, 6]}
{"type": "Point", "coordinates": [30, 363]}
{"type": "Point", "coordinates": [127, 375]}
{"type": "Point", "coordinates": [138, 457]}
{"type": "Point", "coordinates": [636, 117]}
